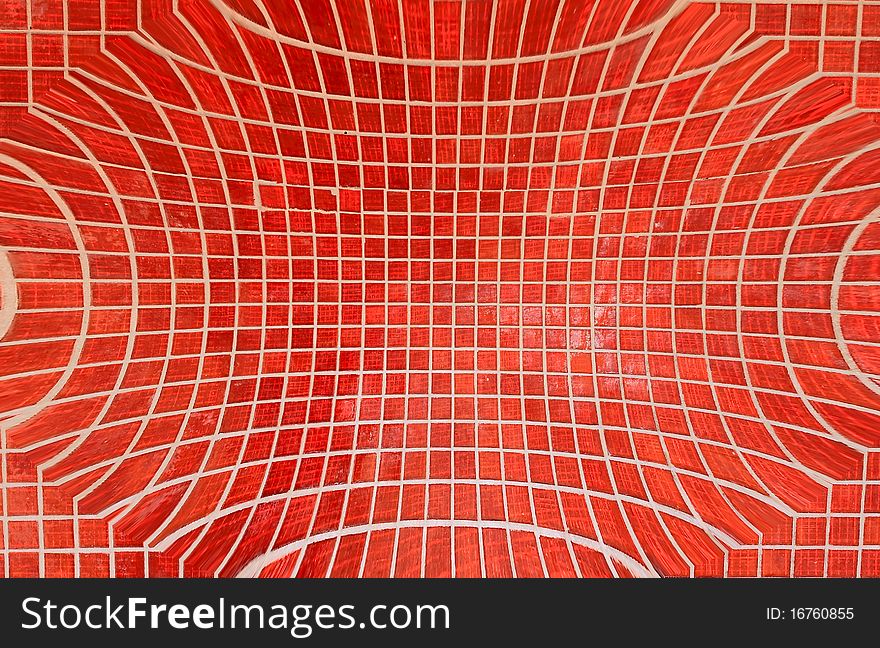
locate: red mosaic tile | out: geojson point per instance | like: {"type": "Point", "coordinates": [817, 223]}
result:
{"type": "Point", "coordinates": [453, 288]}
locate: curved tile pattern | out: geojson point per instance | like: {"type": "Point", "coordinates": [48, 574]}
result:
{"type": "Point", "coordinates": [440, 288]}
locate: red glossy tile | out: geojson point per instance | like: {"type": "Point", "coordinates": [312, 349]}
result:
{"type": "Point", "coordinates": [439, 288]}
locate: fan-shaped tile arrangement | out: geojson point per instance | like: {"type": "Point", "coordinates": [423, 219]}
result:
{"type": "Point", "coordinates": [439, 288]}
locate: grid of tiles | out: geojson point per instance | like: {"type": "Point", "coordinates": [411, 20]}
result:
{"type": "Point", "coordinates": [439, 288]}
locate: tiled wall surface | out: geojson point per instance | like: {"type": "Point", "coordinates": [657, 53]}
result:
{"type": "Point", "coordinates": [432, 288]}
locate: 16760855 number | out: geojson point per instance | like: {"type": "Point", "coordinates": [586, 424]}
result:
{"type": "Point", "coordinates": [811, 614]}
